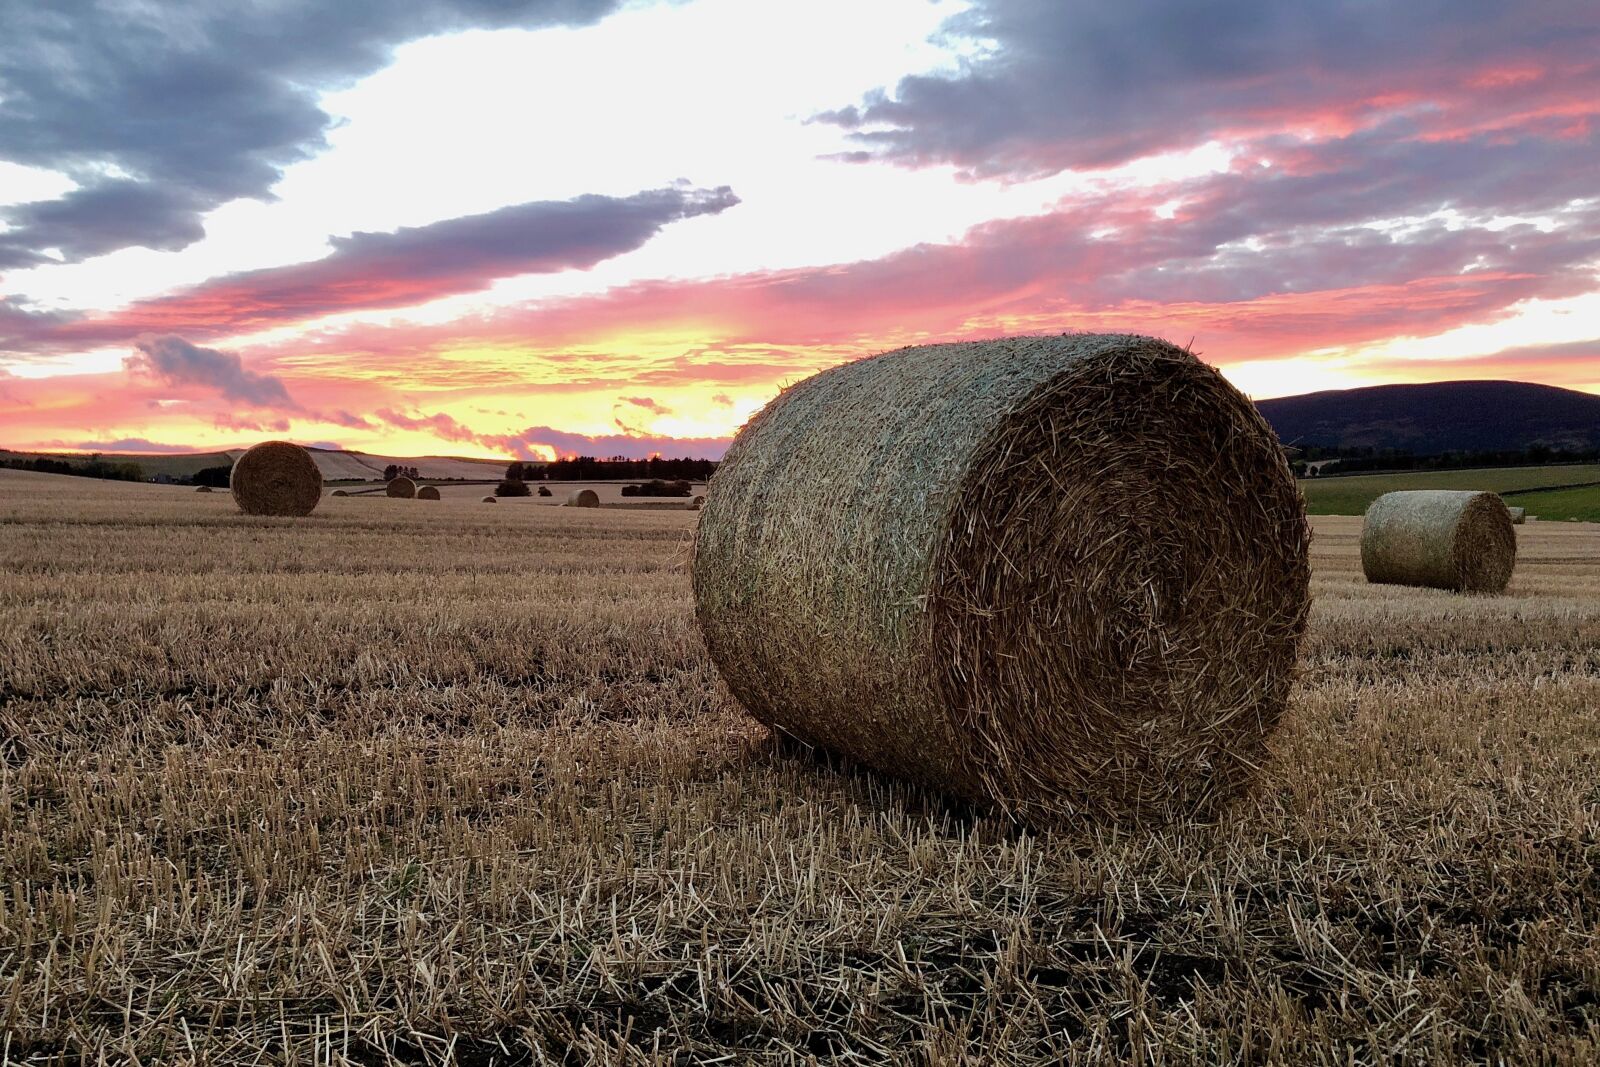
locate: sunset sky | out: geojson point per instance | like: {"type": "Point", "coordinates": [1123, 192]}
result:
{"type": "Point", "coordinates": [487, 228]}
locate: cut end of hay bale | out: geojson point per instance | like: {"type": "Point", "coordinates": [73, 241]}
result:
{"type": "Point", "coordinates": [428, 492]}
{"type": "Point", "coordinates": [276, 478]}
{"type": "Point", "coordinates": [1441, 539]}
{"type": "Point", "coordinates": [583, 498]}
{"type": "Point", "coordinates": [1065, 575]}
{"type": "Point", "coordinates": [402, 487]}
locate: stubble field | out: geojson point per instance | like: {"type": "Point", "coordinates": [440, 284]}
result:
{"type": "Point", "coordinates": [432, 783]}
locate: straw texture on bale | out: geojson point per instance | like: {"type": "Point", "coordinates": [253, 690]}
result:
{"type": "Point", "coordinates": [1440, 538]}
{"type": "Point", "coordinates": [583, 498]}
{"type": "Point", "coordinates": [276, 478]}
{"type": "Point", "coordinates": [1065, 575]}
{"type": "Point", "coordinates": [1518, 515]}
{"type": "Point", "coordinates": [428, 492]}
{"type": "Point", "coordinates": [402, 487]}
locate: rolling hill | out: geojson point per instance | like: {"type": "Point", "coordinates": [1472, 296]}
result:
{"type": "Point", "coordinates": [1472, 416]}
{"type": "Point", "coordinates": [336, 465]}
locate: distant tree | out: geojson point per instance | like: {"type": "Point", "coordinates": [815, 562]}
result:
{"type": "Point", "coordinates": [512, 487]}
{"type": "Point", "coordinates": [515, 472]}
{"type": "Point", "coordinates": [391, 472]}
{"type": "Point", "coordinates": [216, 477]}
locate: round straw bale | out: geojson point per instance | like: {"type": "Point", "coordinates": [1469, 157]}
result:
{"type": "Point", "coordinates": [1065, 575]}
{"type": "Point", "coordinates": [402, 487]}
{"type": "Point", "coordinates": [428, 492]}
{"type": "Point", "coordinates": [203, 489]}
{"type": "Point", "coordinates": [1442, 538]}
{"type": "Point", "coordinates": [1518, 515]}
{"type": "Point", "coordinates": [697, 503]}
{"type": "Point", "coordinates": [340, 492]}
{"type": "Point", "coordinates": [490, 500]}
{"type": "Point", "coordinates": [276, 478]}
{"type": "Point", "coordinates": [583, 498]}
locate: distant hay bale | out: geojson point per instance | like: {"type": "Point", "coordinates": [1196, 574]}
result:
{"type": "Point", "coordinates": [583, 498]}
{"type": "Point", "coordinates": [697, 503]}
{"type": "Point", "coordinates": [1065, 575]}
{"type": "Point", "coordinates": [402, 487]}
{"type": "Point", "coordinates": [1444, 539]}
{"type": "Point", "coordinates": [203, 489]}
{"type": "Point", "coordinates": [490, 500]}
{"type": "Point", "coordinates": [276, 478]}
{"type": "Point", "coordinates": [428, 492]}
{"type": "Point", "coordinates": [1518, 515]}
{"type": "Point", "coordinates": [339, 492]}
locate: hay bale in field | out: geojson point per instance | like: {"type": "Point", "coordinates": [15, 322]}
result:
{"type": "Point", "coordinates": [697, 503]}
{"type": "Point", "coordinates": [203, 489]}
{"type": "Point", "coordinates": [1441, 538]}
{"type": "Point", "coordinates": [1518, 515]}
{"type": "Point", "coordinates": [583, 498]}
{"type": "Point", "coordinates": [401, 487]}
{"type": "Point", "coordinates": [1066, 575]}
{"type": "Point", "coordinates": [339, 492]}
{"type": "Point", "coordinates": [428, 492]}
{"type": "Point", "coordinates": [276, 478]}
{"type": "Point", "coordinates": [490, 500]}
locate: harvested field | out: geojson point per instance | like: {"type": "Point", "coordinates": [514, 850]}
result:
{"type": "Point", "coordinates": [402, 784]}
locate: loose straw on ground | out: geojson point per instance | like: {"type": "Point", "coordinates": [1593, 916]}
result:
{"type": "Point", "coordinates": [276, 478]}
{"type": "Point", "coordinates": [1066, 575]}
{"type": "Point", "coordinates": [1440, 538]}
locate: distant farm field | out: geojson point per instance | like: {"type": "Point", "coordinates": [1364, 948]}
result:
{"type": "Point", "coordinates": [446, 782]}
{"type": "Point", "coordinates": [1350, 495]}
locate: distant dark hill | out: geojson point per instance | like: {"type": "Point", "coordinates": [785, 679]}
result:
{"type": "Point", "coordinates": [1439, 417]}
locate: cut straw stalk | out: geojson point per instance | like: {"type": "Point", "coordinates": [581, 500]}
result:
{"type": "Point", "coordinates": [1066, 575]}
{"type": "Point", "coordinates": [1440, 538]}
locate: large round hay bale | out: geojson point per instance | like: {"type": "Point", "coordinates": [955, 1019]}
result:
{"type": "Point", "coordinates": [1065, 575]}
{"type": "Point", "coordinates": [583, 498]}
{"type": "Point", "coordinates": [402, 487]}
{"type": "Point", "coordinates": [340, 492]}
{"type": "Point", "coordinates": [1442, 538]}
{"type": "Point", "coordinates": [697, 503]}
{"type": "Point", "coordinates": [276, 478]}
{"type": "Point", "coordinates": [1518, 515]}
{"type": "Point", "coordinates": [490, 500]}
{"type": "Point", "coordinates": [203, 489]}
{"type": "Point", "coordinates": [428, 492]}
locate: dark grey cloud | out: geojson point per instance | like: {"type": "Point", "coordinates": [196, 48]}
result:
{"type": "Point", "coordinates": [173, 361]}
{"type": "Point", "coordinates": [162, 111]}
{"type": "Point", "coordinates": [1062, 84]}
{"type": "Point", "coordinates": [369, 271]}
